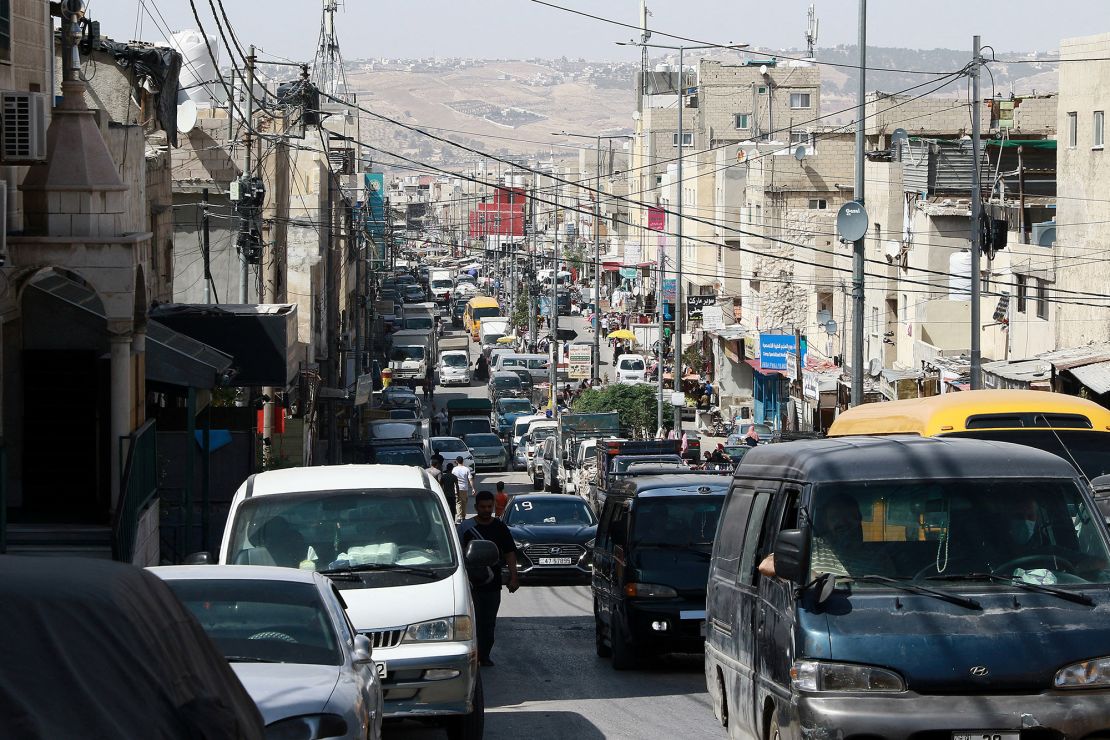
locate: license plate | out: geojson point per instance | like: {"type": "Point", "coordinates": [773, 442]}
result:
{"type": "Point", "coordinates": [380, 667]}
{"type": "Point", "coordinates": [986, 735]}
{"type": "Point", "coordinates": [700, 614]}
{"type": "Point", "coordinates": [556, 561]}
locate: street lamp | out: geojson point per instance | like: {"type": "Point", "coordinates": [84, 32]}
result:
{"type": "Point", "coordinates": [678, 232]}
{"type": "Point", "coordinates": [596, 366]}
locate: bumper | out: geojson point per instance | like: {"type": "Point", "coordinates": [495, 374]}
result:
{"type": "Point", "coordinates": [490, 462]}
{"type": "Point", "coordinates": [406, 692]}
{"type": "Point", "coordinates": [683, 625]}
{"type": "Point", "coordinates": [1074, 714]}
{"type": "Point", "coordinates": [454, 380]}
{"type": "Point", "coordinates": [579, 574]}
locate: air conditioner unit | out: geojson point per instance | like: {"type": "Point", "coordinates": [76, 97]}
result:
{"type": "Point", "coordinates": [22, 127]}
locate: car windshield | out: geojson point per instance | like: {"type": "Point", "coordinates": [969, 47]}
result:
{"type": "Point", "coordinates": [459, 360]}
{"type": "Point", "coordinates": [403, 401]}
{"type": "Point", "coordinates": [632, 364]}
{"type": "Point", "coordinates": [441, 284]}
{"type": "Point", "coordinates": [515, 406]}
{"type": "Point", "coordinates": [491, 338]}
{"type": "Point", "coordinates": [676, 520]}
{"type": "Point", "coordinates": [463, 427]}
{"type": "Point", "coordinates": [549, 512]}
{"type": "Point", "coordinates": [1039, 531]}
{"type": "Point", "coordinates": [400, 354]}
{"type": "Point", "coordinates": [321, 530]}
{"type": "Point", "coordinates": [402, 414]}
{"type": "Point", "coordinates": [394, 430]}
{"type": "Point", "coordinates": [539, 435]}
{"type": "Point", "coordinates": [506, 382]}
{"type": "Point", "coordinates": [262, 621]}
{"type": "Point", "coordinates": [483, 440]}
{"type": "Point", "coordinates": [622, 464]}
{"type": "Point", "coordinates": [420, 322]}
{"type": "Point", "coordinates": [483, 313]}
{"type": "Point", "coordinates": [449, 444]}
{"type": "Point", "coordinates": [399, 455]}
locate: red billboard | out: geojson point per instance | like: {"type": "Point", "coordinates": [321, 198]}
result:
{"type": "Point", "coordinates": [657, 219]}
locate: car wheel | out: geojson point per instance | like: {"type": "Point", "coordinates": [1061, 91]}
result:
{"type": "Point", "coordinates": [470, 726]}
{"type": "Point", "coordinates": [624, 654]}
{"type": "Point", "coordinates": [774, 732]}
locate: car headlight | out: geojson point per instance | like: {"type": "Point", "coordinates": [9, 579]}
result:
{"type": "Point", "coordinates": [649, 591]}
{"type": "Point", "coordinates": [444, 629]}
{"type": "Point", "coordinates": [307, 727]}
{"type": "Point", "coordinates": [520, 545]}
{"type": "Point", "coordinates": [812, 675]}
{"type": "Point", "coordinates": [1088, 674]}
{"type": "Point", "coordinates": [590, 544]}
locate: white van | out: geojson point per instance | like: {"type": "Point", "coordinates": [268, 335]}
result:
{"type": "Point", "coordinates": [631, 369]}
{"type": "Point", "coordinates": [384, 536]}
{"type": "Point", "coordinates": [536, 365]}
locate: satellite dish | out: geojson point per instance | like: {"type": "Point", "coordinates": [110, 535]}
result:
{"type": "Point", "coordinates": [800, 153]}
{"type": "Point", "coordinates": [899, 135]}
{"type": "Point", "coordinates": [186, 116]}
{"type": "Point", "coordinates": [874, 367]}
{"type": "Point", "coordinates": [830, 327]}
{"type": "Point", "coordinates": [851, 221]}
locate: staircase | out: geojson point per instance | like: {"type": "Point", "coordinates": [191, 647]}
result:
{"type": "Point", "coordinates": [60, 540]}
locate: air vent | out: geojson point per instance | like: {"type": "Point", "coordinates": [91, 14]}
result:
{"type": "Point", "coordinates": [22, 127]}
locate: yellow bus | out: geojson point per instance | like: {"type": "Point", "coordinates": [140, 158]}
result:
{"type": "Point", "coordinates": [1076, 429]}
{"type": "Point", "coordinates": [477, 308]}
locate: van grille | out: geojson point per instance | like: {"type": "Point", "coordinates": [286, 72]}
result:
{"type": "Point", "coordinates": [385, 638]}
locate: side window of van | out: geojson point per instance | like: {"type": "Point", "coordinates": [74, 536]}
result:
{"type": "Point", "coordinates": [730, 532]}
{"type": "Point", "coordinates": [603, 526]}
{"type": "Point", "coordinates": [618, 528]}
{"type": "Point", "coordinates": [752, 534]}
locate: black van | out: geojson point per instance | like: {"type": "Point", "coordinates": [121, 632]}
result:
{"type": "Point", "coordinates": [651, 560]}
{"type": "Point", "coordinates": [919, 587]}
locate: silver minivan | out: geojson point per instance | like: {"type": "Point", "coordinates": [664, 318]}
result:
{"type": "Point", "coordinates": [536, 365]}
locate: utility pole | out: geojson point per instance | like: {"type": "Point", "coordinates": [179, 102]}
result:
{"type": "Point", "coordinates": [553, 374]}
{"type": "Point", "coordinates": [858, 247]}
{"type": "Point", "coordinates": [331, 317]}
{"type": "Point", "coordinates": [244, 250]}
{"type": "Point", "coordinates": [660, 258]}
{"type": "Point", "coordinates": [205, 246]}
{"type": "Point", "coordinates": [595, 372]}
{"type": "Point", "coordinates": [976, 214]}
{"type": "Point", "coordinates": [678, 253]}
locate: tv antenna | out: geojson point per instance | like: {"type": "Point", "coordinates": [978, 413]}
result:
{"type": "Point", "coordinates": [811, 32]}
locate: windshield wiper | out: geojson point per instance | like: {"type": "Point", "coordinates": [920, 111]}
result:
{"type": "Point", "coordinates": [901, 583]}
{"type": "Point", "coordinates": [368, 567]}
{"type": "Point", "coordinates": [248, 659]}
{"type": "Point", "coordinates": [1078, 598]}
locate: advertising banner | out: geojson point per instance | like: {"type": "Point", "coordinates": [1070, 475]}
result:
{"type": "Point", "coordinates": [773, 349]}
{"type": "Point", "coordinates": [670, 289]}
{"type": "Point", "coordinates": [633, 254]}
{"type": "Point", "coordinates": [712, 318]}
{"type": "Point", "coordinates": [580, 362]}
{"type": "Point", "coordinates": [695, 304]}
{"type": "Point", "coordinates": [657, 219]}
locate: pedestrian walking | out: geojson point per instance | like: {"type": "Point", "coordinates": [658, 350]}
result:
{"type": "Point", "coordinates": [485, 583]}
{"type": "Point", "coordinates": [501, 499]}
{"type": "Point", "coordinates": [440, 423]}
{"type": "Point", "coordinates": [464, 487]}
{"type": "Point", "coordinates": [450, 486]}
{"type": "Point", "coordinates": [436, 470]}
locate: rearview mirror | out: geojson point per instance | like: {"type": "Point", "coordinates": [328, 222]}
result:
{"type": "Point", "coordinates": [482, 554]}
{"type": "Point", "coordinates": [363, 652]}
{"type": "Point", "coordinates": [792, 554]}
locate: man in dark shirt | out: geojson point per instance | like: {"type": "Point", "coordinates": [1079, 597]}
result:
{"type": "Point", "coordinates": [485, 583]}
{"type": "Point", "coordinates": [449, 483]}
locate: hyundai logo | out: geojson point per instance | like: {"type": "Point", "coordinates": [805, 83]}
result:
{"type": "Point", "coordinates": [979, 671]}
{"type": "Point", "coordinates": [556, 550]}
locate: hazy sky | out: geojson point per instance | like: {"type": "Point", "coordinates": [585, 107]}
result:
{"type": "Point", "coordinates": [521, 28]}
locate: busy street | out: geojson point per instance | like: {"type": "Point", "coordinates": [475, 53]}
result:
{"type": "Point", "coordinates": [511, 371]}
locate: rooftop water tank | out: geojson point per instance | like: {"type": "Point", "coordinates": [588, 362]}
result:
{"type": "Point", "coordinates": [198, 79]}
{"type": "Point", "coordinates": [959, 276]}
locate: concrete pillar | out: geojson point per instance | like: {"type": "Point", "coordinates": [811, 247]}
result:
{"type": "Point", "coordinates": [120, 421]}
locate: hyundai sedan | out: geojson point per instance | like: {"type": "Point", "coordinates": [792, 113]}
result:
{"type": "Point", "coordinates": [555, 535]}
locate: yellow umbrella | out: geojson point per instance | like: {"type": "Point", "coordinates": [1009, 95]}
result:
{"type": "Point", "coordinates": [506, 340]}
{"type": "Point", "coordinates": [622, 334]}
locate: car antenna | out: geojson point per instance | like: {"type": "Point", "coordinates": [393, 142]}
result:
{"type": "Point", "coordinates": [1074, 462]}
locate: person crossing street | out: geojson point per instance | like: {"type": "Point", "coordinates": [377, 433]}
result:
{"type": "Point", "coordinates": [485, 583]}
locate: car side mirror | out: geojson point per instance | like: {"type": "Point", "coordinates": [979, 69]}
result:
{"type": "Point", "coordinates": [792, 554]}
{"type": "Point", "coordinates": [482, 554]}
{"type": "Point", "coordinates": [199, 558]}
{"type": "Point", "coordinates": [364, 650]}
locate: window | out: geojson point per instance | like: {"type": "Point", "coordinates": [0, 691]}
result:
{"type": "Point", "coordinates": [761, 90]}
{"type": "Point", "coordinates": [687, 139]}
{"type": "Point", "coordinates": [1073, 129]}
{"type": "Point", "coordinates": [1042, 301]}
{"type": "Point", "coordinates": [1019, 282]}
{"type": "Point", "coordinates": [905, 307]}
{"type": "Point", "coordinates": [5, 30]}
{"type": "Point", "coordinates": [818, 204]}
{"type": "Point", "coordinates": [1097, 134]}
{"type": "Point", "coordinates": [799, 100]}
{"type": "Point", "coordinates": [799, 137]}
{"type": "Point", "coordinates": [751, 535]}
{"type": "Point", "coordinates": [742, 120]}
{"type": "Point", "coordinates": [874, 321]}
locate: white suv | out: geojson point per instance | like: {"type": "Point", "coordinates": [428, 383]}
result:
{"type": "Point", "coordinates": [631, 369]}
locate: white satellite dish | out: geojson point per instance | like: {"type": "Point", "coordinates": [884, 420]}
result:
{"type": "Point", "coordinates": [800, 153]}
{"type": "Point", "coordinates": [874, 368]}
{"type": "Point", "coordinates": [186, 116]}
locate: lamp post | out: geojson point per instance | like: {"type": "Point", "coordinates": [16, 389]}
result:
{"type": "Point", "coordinates": [678, 322]}
{"type": "Point", "coordinates": [596, 367]}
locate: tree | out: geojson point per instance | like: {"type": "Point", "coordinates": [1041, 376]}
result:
{"type": "Point", "coordinates": [636, 405]}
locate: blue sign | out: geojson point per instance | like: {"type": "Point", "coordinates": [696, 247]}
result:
{"type": "Point", "coordinates": [773, 349]}
{"type": "Point", "coordinates": [375, 201]}
{"type": "Point", "coordinates": [670, 289]}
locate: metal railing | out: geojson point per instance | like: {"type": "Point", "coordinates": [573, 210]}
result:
{"type": "Point", "coordinates": [138, 486]}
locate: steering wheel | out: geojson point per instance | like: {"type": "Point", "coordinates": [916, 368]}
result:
{"type": "Point", "coordinates": [1034, 558]}
{"type": "Point", "coordinates": [280, 636]}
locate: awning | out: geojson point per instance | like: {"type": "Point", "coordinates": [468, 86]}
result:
{"type": "Point", "coordinates": [1095, 376]}
{"type": "Point", "coordinates": [755, 365]}
{"type": "Point", "coordinates": [171, 358]}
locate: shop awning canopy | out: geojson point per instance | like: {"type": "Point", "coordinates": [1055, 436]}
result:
{"type": "Point", "coordinates": [755, 365]}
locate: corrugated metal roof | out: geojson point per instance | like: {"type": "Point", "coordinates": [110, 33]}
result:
{"type": "Point", "coordinates": [1095, 376]}
{"type": "Point", "coordinates": [1073, 357]}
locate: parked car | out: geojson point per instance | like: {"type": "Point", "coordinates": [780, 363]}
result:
{"type": "Point", "coordinates": [95, 648]}
{"type": "Point", "coordinates": [488, 451]}
{"type": "Point", "coordinates": [451, 448]}
{"type": "Point", "coordinates": [384, 536]}
{"type": "Point", "coordinates": [555, 536]}
{"type": "Point", "coordinates": [454, 367]}
{"type": "Point", "coordinates": [664, 525]}
{"type": "Point", "coordinates": [987, 557]}
{"type": "Point", "coordinates": [287, 637]}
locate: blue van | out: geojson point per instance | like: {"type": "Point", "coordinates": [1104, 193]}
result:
{"type": "Point", "coordinates": [897, 587]}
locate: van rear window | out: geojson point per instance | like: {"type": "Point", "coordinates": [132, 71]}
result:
{"type": "Point", "coordinates": [1031, 419]}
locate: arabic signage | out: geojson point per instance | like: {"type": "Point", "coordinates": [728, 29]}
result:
{"type": "Point", "coordinates": [580, 362]}
{"type": "Point", "coordinates": [670, 289]}
{"type": "Point", "coordinates": [774, 348]}
{"type": "Point", "coordinates": [633, 254]}
{"type": "Point", "coordinates": [811, 386]}
{"type": "Point", "coordinates": [657, 219]}
{"type": "Point", "coordinates": [629, 273]}
{"type": "Point", "coordinates": [713, 319]}
{"type": "Point", "coordinates": [695, 304]}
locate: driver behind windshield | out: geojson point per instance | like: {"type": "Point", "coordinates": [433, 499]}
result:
{"type": "Point", "coordinates": [838, 545]}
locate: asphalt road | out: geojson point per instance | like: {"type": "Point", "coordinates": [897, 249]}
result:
{"type": "Point", "coordinates": [549, 683]}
